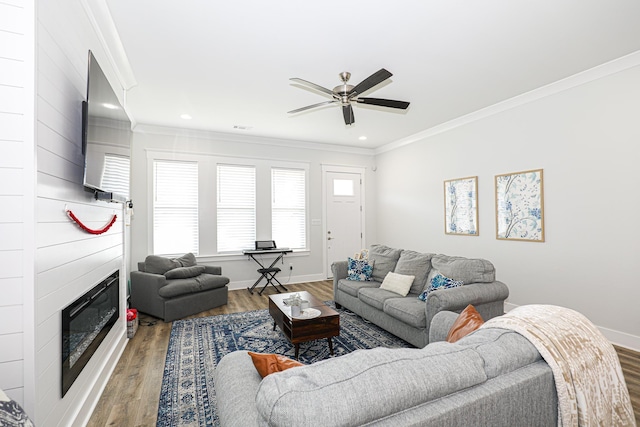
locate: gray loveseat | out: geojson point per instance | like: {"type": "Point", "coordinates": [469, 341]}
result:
{"type": "Point", "coordinates": [492, 377]}
{"type": "Point", "coordinates": [407, 316]}
{"type": "Point", "coordinates": [174, 288]}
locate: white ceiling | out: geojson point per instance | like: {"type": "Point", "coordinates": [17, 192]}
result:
{"type": "Point", "coordinates": [228, 63]}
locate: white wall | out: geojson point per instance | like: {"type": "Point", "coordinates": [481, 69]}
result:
{"type": "Point", "coordinates": [586, 139]}
{"type": "Point", "coordinates": [47, 261]}
{"type": "Point", "coordinates": [17, 182]}
{"type": "Point", "coordinates": [151, 141]}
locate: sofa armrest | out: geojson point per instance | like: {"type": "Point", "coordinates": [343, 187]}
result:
{"type": "Point", "coordinates": [144, 293]}
{"type": "Point", "coordinates": [339, 270]}
{"type": "Point", "coordinates": [213, 269]}
{"type": "Point", "coordinates": [441, 324]}
{"type": "Point", "coordinates": [237, 382]}
{"type": "Point", "coordinates": [487, 298]}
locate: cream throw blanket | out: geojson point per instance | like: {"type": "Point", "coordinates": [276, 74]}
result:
{"type": "Point", "coordinates": [586, 370]}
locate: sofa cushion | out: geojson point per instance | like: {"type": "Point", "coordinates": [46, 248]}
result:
{"type": "Point", "coordinates": [159, 265]}
{"type": "Point", "coordinates": [375, 297]}
{"type": "Point", "coordinates": [397, 283]}
{"type": "Point", "coordinates": [467, 321]}
{"type": "Point", "coordinates": [409, 310]}
{"type": "Point", "coordinates": [352, 287]}
{"type": "Point", "coordinates": [359, 269]}
{"type": "Point", "coordinates": [385, 259]}
{"type": "Point", "coordinates": [416, 264]}
{"type": "Point", "coordinates": [185, 272]}
{"type": "Point", "coordinates": [502, 350]}
{"type": "Point", "coordinates": [465, 269]}
{"type": "Point", "coordinates": [203, 282]}
{"type": "Point", "coordinates": [366, 385]}
{"type": "Point", "coordinates": [186, 260]}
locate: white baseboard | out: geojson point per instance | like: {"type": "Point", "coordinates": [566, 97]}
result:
{"type": "Point", "coordinates": [618, 338]}
{"type": "Point", "coordinates": [244, 284]}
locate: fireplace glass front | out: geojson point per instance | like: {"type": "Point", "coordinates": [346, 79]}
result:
{"type": "Point", "coordinates": [85, 323]}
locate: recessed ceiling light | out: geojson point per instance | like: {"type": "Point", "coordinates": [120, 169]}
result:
{"type": "Point", "coordinates": [185, 116]}
{"type": "Point", "coordinates": [110, 106]}
{"type": "Point", "coordinates": [362, 138]}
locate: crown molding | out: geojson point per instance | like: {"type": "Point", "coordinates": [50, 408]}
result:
{"type": "Point", "coordinates": [248, 139]}
{"type": "Point", "coordinates": [608, 68]}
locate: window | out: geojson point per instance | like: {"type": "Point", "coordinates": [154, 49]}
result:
{"type": "Point", "coordinates": [115, 177]}
{"type": "Point", "coordinates": [175, 207]}
{"type": "Point", "coordinates": [236, 210]}
{"type": "Point", "coordinates": [288, 208]}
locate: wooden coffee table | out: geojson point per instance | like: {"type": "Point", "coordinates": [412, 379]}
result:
{"type": "Point", "coordinates": [326, 325]}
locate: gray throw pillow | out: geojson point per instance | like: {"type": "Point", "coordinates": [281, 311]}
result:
{"type": "Point", "coordinates": [159, 265]}
{"type": "Point", "coordinates": [185, 272]}
{"type": "Point", "coordinates": [186, 260]}
{"type": "Point", "coordinates": [416, 264]}
{"type": "Point", "coordinates": [385, 259]}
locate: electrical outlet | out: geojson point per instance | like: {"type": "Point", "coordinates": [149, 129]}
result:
{"type": "Point", "coordinates": [290, 266]}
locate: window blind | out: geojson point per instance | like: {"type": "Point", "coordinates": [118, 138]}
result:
{"type": "Point", "coordinates": [175, 207]}
{"type": "Point", "coordinates": [288, 207]}
{"type": "Point", "coordinates": [236, 207]}
{"type": "Point", "coordinates": [115, 175]}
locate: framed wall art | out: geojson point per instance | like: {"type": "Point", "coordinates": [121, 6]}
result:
{"type": "Point", "coordinates": [520, 206]}
{"type": "Point", "coordinates": [461, 206]}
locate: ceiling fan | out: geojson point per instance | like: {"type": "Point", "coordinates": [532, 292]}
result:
{"type": "Point", "coordinates": [345, 94]}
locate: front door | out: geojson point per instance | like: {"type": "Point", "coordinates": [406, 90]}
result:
{"type": "Point", "coordinates": [344, 215]}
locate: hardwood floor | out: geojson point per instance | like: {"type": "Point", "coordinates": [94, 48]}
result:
{"type": "Point", "coordinates": [132, 393]}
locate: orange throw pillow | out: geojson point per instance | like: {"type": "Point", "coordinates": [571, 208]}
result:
{"type": "Point", "coordinates": [468, 321]}
{"type": "Point", "coordinates": [266, 363]}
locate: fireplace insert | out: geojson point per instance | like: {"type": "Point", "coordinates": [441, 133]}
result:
{"type": "Point", "coordinates": [85, 323]}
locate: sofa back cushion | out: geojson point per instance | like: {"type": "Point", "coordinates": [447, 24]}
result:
{"type": "Point", "coordinates": [467, 270]}
{"type": "Point", "coordinates": [382, 381]}
{"type": "Point", "coordinates": [416, 264]}
{"type": "Point", "coordinates": [159, 265]}
{"type": "Point", "coordinates": [385, 260]}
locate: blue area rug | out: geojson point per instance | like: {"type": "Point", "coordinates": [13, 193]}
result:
{"type": "Point", "coordinates": [196, 346]}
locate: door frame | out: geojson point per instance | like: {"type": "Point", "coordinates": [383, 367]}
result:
{"type": "Point", "coordinates": [340, 169]}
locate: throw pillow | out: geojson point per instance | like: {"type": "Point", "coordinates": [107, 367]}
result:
{"type": "Point", "coordinates": [359, 269]}
{"type": "Point", "coordinates": [186, 260]}
{"type": "Point", "coordinates": [397, 283]}
{"type": "Point", "coordinates": [439, 282]}
{"type": "Point", "coordinates": [185, 272]}
{"type": "Point", "coordinates": [468, 321]}
{"type": "Point", "coordinates": [158, 264]}
{"type": "Point", "coordinates": [266, 363]}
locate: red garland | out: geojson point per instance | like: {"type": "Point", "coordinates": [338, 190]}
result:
{"type": "Point", "coordinates": [89, 230]}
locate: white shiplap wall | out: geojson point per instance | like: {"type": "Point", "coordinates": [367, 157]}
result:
{"type": "Point", "coordinates": [46, 261]}
{"type": "Point", "coordinates": [17, 180]}
{"type": "Point", "coordinates": [69, 261]}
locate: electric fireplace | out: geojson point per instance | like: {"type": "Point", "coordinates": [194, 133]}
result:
{"type": "Point", "coordinates": [85, 323]}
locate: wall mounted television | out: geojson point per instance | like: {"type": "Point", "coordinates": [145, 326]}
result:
{"type": "Point", "coordinates": [106, 138]}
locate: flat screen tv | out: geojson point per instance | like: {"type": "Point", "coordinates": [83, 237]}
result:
{"type": "Point", "coordinates": [106, 138]}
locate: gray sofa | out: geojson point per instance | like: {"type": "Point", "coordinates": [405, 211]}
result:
{"type": "Point", "coordinates": [492, 377]}
{"type": "Point", "coordinates": [407, 316]}
{"type": "Point", "coordinates": [171, 289]}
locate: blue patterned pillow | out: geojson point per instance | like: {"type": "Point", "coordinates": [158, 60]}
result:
{"type": "Point", "coordinates": [359, 269]}
{"type": "Point", "coordinates": [439, 282]}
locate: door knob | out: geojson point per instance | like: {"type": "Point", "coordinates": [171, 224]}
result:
{"type": "Point", "coordinates": [329, 238]}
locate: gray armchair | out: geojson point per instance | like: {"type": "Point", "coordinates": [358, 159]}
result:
{"type": "Point", "coordinates": [171, 289]}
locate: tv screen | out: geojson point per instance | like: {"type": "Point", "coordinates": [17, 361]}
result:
{"type": "Point", "coordinates": [106, 141]}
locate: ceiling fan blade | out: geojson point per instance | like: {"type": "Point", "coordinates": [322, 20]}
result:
{"type": "Point", "coordinates": [371, 81]}
{"type": "Point", "coordinates": [308, 107]}
{"type": "Point", "coordinates": [384, 102]}
{"type": "Point", "coordinates": [313, 85]}
{"type": "Point", "coordinates": [347, 112]}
